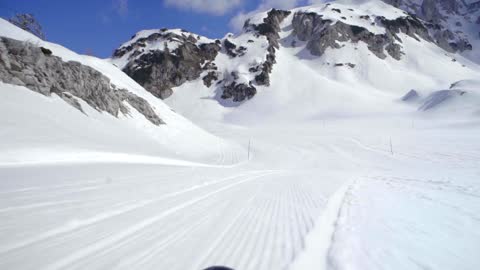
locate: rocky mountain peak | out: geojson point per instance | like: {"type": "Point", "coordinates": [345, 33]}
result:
{"type": "Point", "coordinates": [162, 59]}
{"type": "Point", "coordinates": [237, 65]}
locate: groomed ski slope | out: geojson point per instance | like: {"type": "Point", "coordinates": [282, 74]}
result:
{"type": "Point", "coordinates": [340, 174]}
{"type": "Point", "coordinates": [415, 209]}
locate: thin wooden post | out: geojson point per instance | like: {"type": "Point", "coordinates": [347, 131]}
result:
{"type": "Point", "coordinates": [391, 146]}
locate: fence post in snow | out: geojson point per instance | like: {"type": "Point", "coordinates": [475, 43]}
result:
{"type": "Point", "coordinates": [249, 143]}
{"type": "Point", "coordinates": [391, 146]}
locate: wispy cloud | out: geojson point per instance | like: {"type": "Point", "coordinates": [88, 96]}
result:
{"type": "Point", "coordinates": [121, 7]}
{"type": "Point", "coordinates": [214, 7]}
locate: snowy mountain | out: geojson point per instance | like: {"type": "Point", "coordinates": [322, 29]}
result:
{"type": "Point", "coordinates": [341, 51]}
{"type": "Point", "coordinates": [341, 135]}
{"type": "Point", "coordinates": [72, 107]}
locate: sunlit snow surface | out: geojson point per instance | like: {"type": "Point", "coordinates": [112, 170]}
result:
{"type": "Point", "coordinates": [340, 174]}
{"type": "Point", "coordinates": [416, 208]}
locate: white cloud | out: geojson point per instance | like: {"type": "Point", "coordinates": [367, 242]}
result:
{"type": "Point", "coordinates": [237, 22]}
{"type": "Point", "coordinates": [280, 4]}
{"type": "Point", "coordinates": [121, 7]}
{"type": "Point", "coordinates": [215, 7]}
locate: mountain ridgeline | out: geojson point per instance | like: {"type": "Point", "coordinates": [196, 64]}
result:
{"type": "Point", "coordinates": [161, 60]}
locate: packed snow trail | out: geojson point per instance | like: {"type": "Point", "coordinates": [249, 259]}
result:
{"type": "Point", "coordinates": [139, 221]}
{"type": "Point", "coordinates": [148, 216]}
{"type": "Point", "coordinates": [256, 215]}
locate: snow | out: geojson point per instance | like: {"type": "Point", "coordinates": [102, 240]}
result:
{"type": "Point", "coordinates": [324, 169]}
{"type": "Point", "coordinates": [350, 12]}
{"type": "Point", "coordinates": [131, 133]}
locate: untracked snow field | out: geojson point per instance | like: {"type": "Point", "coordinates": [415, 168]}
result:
{"type": "Point", "coordinates": [325, 194]}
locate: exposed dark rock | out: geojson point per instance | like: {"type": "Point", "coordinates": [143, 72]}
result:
{"type": "Point", "coordinates": [344, 64]}
{"type": "Point", "coordinates": [238, 92]}
{"type": "Point", "coordinates": [210, 66]}
{"type": "Point", "coordinates": [411, 26]}
{"type": "Point", "coordinates": [230, 47]}
{"type": "Point", "coordinates": [448, 41]}
{"type": "Point", "coordinates": [161, 70]}
{"type": "Point", "coordinates": [270, 29]}
{"type": "Point", "coordinates": [336, 10]}
{"type": "Point", "coordinates": [436, 13]}
{"type": "Point", "coordinates": [24, 64]}
{"type": "Point", "coordinates": [46, 51]}
{"type": "Point", "coordinates": [209, 51]}
{"type": "Point", "coordinates": [321, 34]}
{"type": "Point", "coordinates": [210, 78]}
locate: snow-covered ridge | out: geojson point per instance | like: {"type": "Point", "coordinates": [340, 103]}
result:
{"type": "Point", "coordinates": [63, 126]}
{"type": "Point", "coordinates": [241, 65]}
{"type": "Point", "coordinates": [155, 39]}
{"type": "Point", "coordinates": [359, 13]}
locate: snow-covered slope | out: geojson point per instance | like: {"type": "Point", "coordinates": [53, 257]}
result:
{"type": "Point", "coordinates": [38, 128]}
{"type": "Point", "coordinates": [348, 78]}
{"type": "Point", "coordinates": [337, 171]}
{"type": "Point", "coordinates": [344, 57]}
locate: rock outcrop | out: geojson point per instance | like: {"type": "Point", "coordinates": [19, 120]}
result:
{"type": "Point", "coordinates": [321, 34]}
{"type": "Point", "coordinates": [160, 69]}
{"type": "Point", "coordinates": [37, 69]}
{"type": "Point", "coordinates": [436, 14]}
{"type": "Point", "coordinates": [270, 29]}
{"type": "Point", "coordinates": [240, 91]}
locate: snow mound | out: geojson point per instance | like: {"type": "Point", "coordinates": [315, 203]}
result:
{"type": "Point", "coordinates": [439, 97]}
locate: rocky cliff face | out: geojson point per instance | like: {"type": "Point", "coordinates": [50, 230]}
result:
{"type": "Point", "coordinates": [269, 29]}
{"type": "Point", "coordinates": [445, 19]}
{"type": "Point", "coordinates": [165, 59]}
{"type": "Point", "coordinates": [37, 69]}
{"type": "Point", "coordinates": [320, 34]}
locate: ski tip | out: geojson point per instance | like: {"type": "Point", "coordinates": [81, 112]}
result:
{"type": "Point", "coordinates": [218, 268]}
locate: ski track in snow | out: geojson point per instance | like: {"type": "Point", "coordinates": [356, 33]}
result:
{"type": "Point", "coordinates": [166, 222]}
{"type": "Point", "coordinates": [146, 216]}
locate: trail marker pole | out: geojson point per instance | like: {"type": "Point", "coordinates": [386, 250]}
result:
{"type": "Point", "coordinates": [249, 143]}
{"type": "Point", "coordinates": [391, 146]}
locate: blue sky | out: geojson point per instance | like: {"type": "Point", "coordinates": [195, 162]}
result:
{"type": "Point", "coordinates": [100, 26]}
